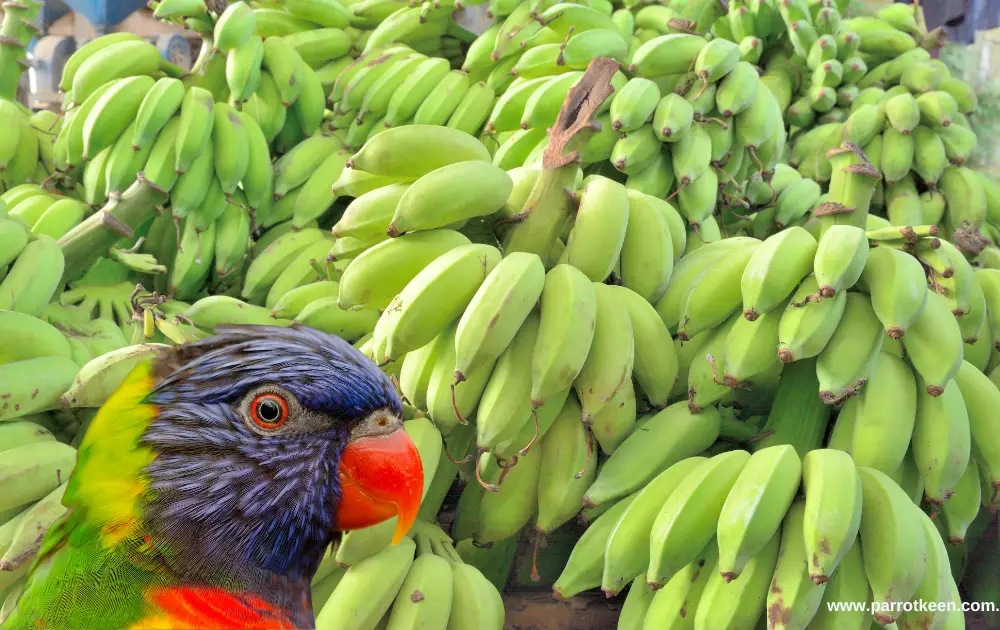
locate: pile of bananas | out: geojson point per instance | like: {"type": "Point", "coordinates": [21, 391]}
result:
{"type": "Point", "coordinates": [735, 348]}
{"type": "Point", "coordinates": [393, 589]}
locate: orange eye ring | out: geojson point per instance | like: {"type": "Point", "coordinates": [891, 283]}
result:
{"type": "Point", "coordinates": [269, 411]}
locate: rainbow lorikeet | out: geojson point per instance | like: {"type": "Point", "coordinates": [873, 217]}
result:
{"type": "Point", "coordinates": [209, 485]}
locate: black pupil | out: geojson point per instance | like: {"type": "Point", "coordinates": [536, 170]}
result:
{"type": "Point", "coordinates": [269, 410]}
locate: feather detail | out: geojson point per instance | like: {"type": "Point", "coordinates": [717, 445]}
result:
{"type": "Point", "coordinates": [108, 479]}
{"type": "Point", "coordinates": [206, 607]}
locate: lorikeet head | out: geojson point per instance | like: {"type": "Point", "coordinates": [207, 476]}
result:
{"type": "Point", "coordinates": [265, 441]}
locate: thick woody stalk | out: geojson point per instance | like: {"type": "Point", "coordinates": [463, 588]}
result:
{"type": "Point", "coordinates": [16, 30]}
{"type": "Point", "coordinates": [90, 240]}
{"type": "Point", "coordinates": [549, 205]}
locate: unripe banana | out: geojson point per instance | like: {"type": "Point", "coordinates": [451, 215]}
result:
{"type": "Point", "coordinates": [627, 551]}
{"type": "Point", "coordinates": [903, 113]}
{"type": "Point", "coordinates": [33, 278]}
{"type": "Point", "coordinates": [672, 605]}
{"type": "Point", "coordinates": [377, 275]}
{"type": "Point", "coordinates": [634, 105]}
{"type": "Point", "coordinates": [840, 259]}
{"type": "Point", "coordinates": [119, 60]}
{"type": "Point", "coordinates": [655, 367]}
{"type": "Point", "coordinates": [410, 151]}
{"type": "Point", "coordinates": [195, 129]}
{"type": "Point", "coordinates": [692, 154]}
{"type": "Point", "coordinates": [715, 295]}
{"type": "Point", "coordinates": [232, 149]}
{"type": "Point", "coordinates": [716, 60]}
{"type": "Point", "coordinates": [504, 511]}
{"type": "Point", "coordinates": [609, 362]}
{"type": "Point", "coordinates": [425, 595]}
{"type": "Point", "coordinates": [963, 506]}
{"type": "Point", "coordinates": [737, 90]}
{"type": "Point", "coordinates": [615, 420]}
{"type": "Point", "coordinates": [505, 405]}
{"type": "Point", "coordinates": [669, 54]}
{"type": "Point", "coordinates": [668, 437]}
{"type": "Point", "coordinates": [806, 326]}
{"type": "Point", "coordinates": [584, 567]}
{"type": "Point", "coordinates": [941, 441]}
{"type": "Point", "coordinates": [672, 117]}
{"type": "Point", "coordinates": [897, 154]}
{"type": "Point", "coordinates": [689, 269]}
{"type": "Point", "coordinates": [749, 349]}
{"type": "Point", "coordinates": [687, 520]}
{"type": "Point", "coordinates": [569, 311]}
{"type": "Point", "coordinates": [979, 393]}
{"type": "Point", "coordinates": [929, 156]}
{"type": "Point", "coordinates": [599, 232]}
{"type": "Point", "coordinates": [884, 415]}
{"type": "Point", "coordinates": [832, 510]}
{"type": "Point", "coordinates": [697, 200]}
{"type": "Point", "coordinates": [793, 598]}
{"type": "Point", "coordinates": [775, 269]}
{"type": "Point", "coordinates": [647, 254]}
{"type": "Point", "coordinates": [566, 450]}
{"type": "Point", "coordinates": [368, 215]}
{"type": "Point", "coordinates": [34, 470]}
{"type": "Point", "coordinates": [959, 143]}
{"type": "Point", "coordinates": [450, 194]}
{"type": "Point", "coordinates": [436, 297]}
{"type": "Point", "coordinates": [963, 191]}
{"type": "Point", "coordinates": [442, 102]}
{"type": "Point", "coordinates": [894, 542]}
{"type": "Point", "coordinates": [936, 325]}
{"type": "Point", "coordinates": [367, 589]}
{"type": "Point", "coordinates": [898, 288]}
{"type": "Point", "coordinates": [112, 112]}
{"type": "Point", "coordinates": [752, 512]}
{"type": "Point", "coordinates": [847, 360]}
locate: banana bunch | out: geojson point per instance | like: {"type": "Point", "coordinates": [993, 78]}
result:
{"type": "Point", "coordinates": [27, 150]}
{"type": "Point", "coordinates": [544, 38]}
{"type": "Point", "coordinates": [422, 582]}
{"type": "Point", "coordinates": [393, 85]}
{"type": "Point", "coordinates": [44, 211]}
{"type": "Point", "coordinates": [724, 540]}
{"type": "Point", "coordinates": [34, 467]}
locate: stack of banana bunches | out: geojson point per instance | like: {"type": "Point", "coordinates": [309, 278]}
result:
{"type": "Point", "coordinates": [700, 304]}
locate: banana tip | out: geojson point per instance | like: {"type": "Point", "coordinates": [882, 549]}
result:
{"type": "Point", "coordinates": [785, 355]}
{"type": "Point", "coordinates": [728, 576]}
{"type": "Point", "coordinates": [750, 315]}
{"type": "Point", "coordinates": [818, 578]}
{"type": "Point", "coordinates": [895, 332]}
{"type": "Point", "coordinates": [935, 390]}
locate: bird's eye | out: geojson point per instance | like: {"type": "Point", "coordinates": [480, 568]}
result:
{"type": "Point", "coordinates": [269, 411]}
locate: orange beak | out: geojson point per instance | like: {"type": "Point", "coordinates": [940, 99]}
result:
{"type": "Point", "coordinates": [380, 477]}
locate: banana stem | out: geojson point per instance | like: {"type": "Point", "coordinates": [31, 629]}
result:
{"type": "Point", "coordinates": [737, 430]}
{"type": "Point", "coordinates": [92, 238]}
{"type": "Point", "coordinates": [10, 68]}
{"type": "Point", "coordinates": [798, 416]}
{"type": "Point", "coordinates": [548, 205]}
